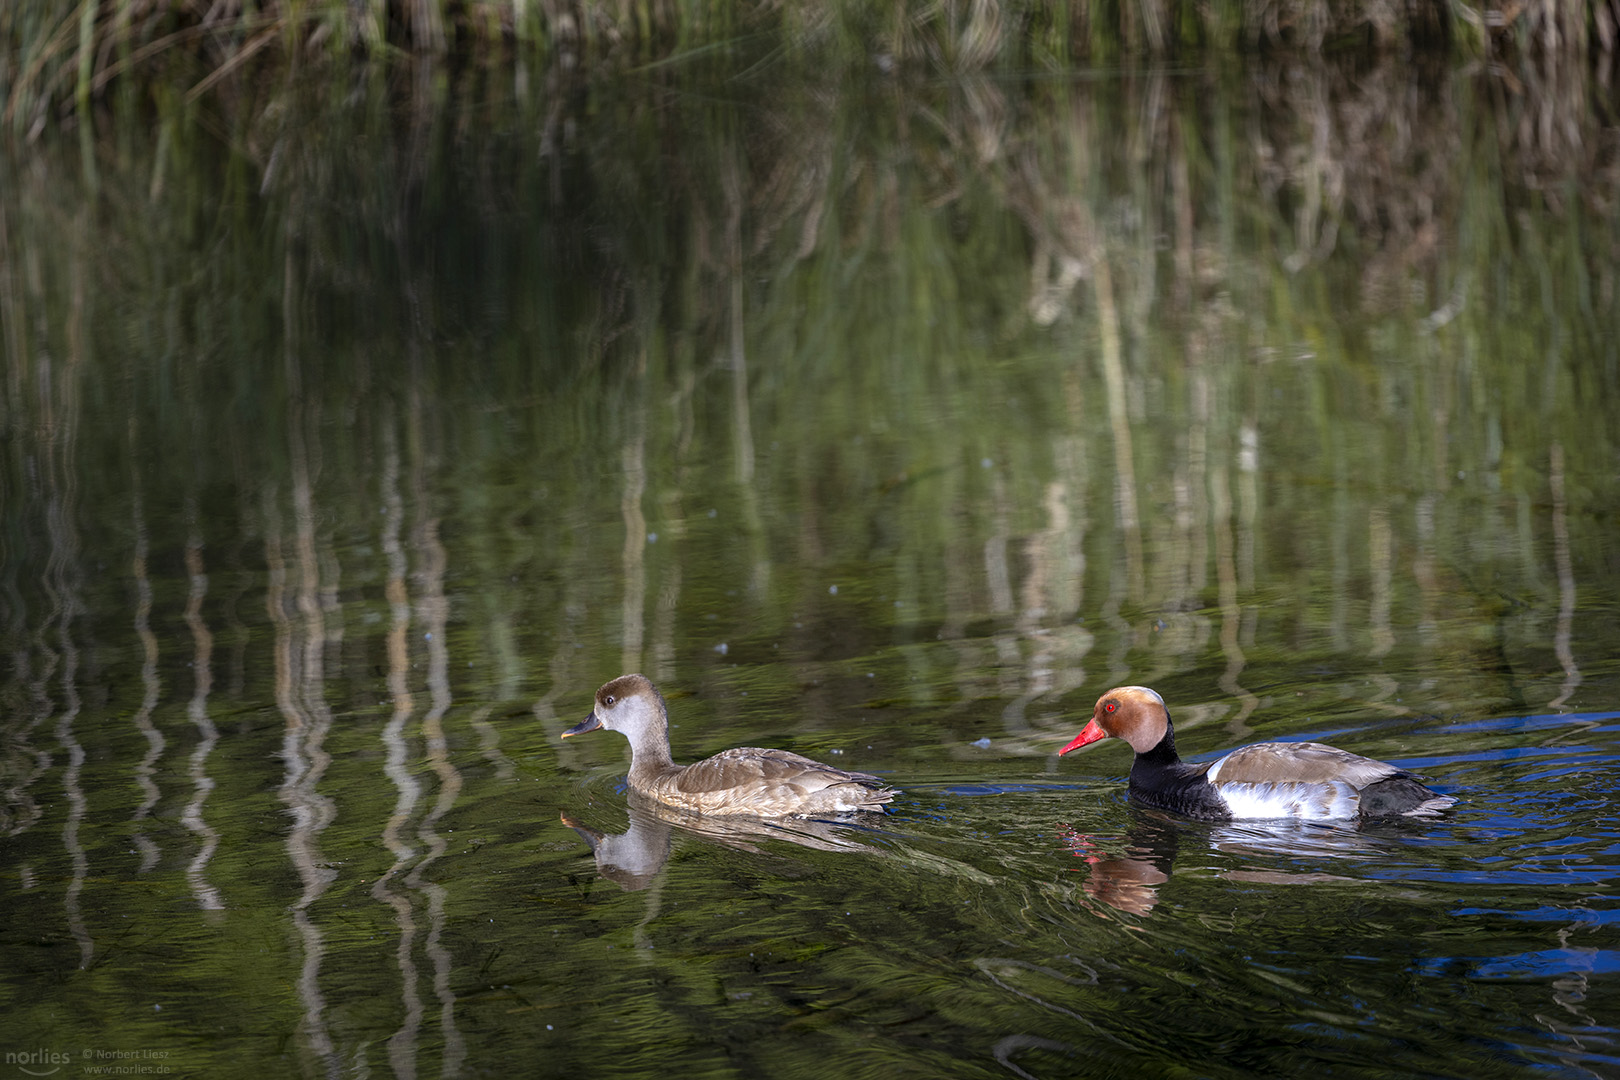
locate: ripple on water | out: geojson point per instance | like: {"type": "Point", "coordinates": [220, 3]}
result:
{"type": "Point", "coordinates": [1531, 723]}
{"type": "Point", "coordinates": [1550, 963]}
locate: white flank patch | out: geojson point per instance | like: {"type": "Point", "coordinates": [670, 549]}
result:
{"type": "Point", "coordinates": [1308, 802]}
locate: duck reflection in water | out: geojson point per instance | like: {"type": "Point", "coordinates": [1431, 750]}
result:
{"type": "Point", "coordinates": [1127, 877]}
{"type": "Point", "coordinates": [1129, 881]}
{"type": "Point", "coordinates": [633, 859]}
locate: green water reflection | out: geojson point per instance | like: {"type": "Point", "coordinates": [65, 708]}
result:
{"type": "Point", "coordinates": [351, 443]}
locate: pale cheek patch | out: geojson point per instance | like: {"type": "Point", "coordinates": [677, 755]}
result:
{"type": "Point", "coordinates": [1309, 802]}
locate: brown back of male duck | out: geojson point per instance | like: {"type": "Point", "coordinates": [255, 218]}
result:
{"type": "Point", "coordinates": [747, 780]}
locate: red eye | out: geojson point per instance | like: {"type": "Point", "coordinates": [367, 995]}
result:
{"type": "Point", "coordinates": [1110, 706]}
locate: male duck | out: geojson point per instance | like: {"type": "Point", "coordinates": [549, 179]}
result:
{"type": "Point", "coordinates": [748, 780]}
{"type": "Point", "coordinates": [1268, 780]}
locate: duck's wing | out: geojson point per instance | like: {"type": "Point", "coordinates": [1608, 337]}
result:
{"type": "Point", "coordinates": [754, 780]}
{"type": "Point", "coordinates": [1299, 763]}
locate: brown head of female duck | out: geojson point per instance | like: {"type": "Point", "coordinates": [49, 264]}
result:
{"type": "Point", "coordinates": [747, 780]}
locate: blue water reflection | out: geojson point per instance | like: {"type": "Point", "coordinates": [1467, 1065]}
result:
{"type": "Point", "coordinates": [1547, 963]}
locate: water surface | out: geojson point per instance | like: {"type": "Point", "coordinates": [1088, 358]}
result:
{"type": "Point", "coordinates": [891, 424]}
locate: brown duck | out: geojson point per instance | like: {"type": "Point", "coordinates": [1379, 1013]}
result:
{"type": "Point", "coordinates": [1303, 780]}
{"type": "Point", "coordinates": [748, 780]}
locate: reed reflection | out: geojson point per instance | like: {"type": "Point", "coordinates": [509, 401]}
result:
{"type": "Point", "coordinates": [1566, 579]}
{"type": "Point", "coordinates": [633, 459]}
{"type": "Point", "coordinates": [202, 665]}
{"type": "Point", "coordinates": [396, 748]}
{"type": "Point", "coordinates": [151, 687]}
{"type": "Point", "coordinates": [63, 585]}
{"type": "Point", "coordinates": [292, 602]}
{"type": "Point", "coordinates": [434, 608]}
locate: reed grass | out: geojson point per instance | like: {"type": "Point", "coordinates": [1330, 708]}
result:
{"type": "Point", "coordinates": [58, 57]}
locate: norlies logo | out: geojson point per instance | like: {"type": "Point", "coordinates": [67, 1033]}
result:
{"type": "Point", "coordinates": [38, 1062]}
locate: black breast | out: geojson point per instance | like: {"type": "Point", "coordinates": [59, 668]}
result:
{"type": "Point", "coordinates": [1176, 787]}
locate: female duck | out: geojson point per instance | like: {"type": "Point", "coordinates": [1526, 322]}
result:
{"type": "Point", "coordinates": [748, 780]}
{"type": "Point", "coordinates": [1268, 780]}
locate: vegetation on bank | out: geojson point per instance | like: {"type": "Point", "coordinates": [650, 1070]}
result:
{"type": "Point", "coordinates": [59, 56]}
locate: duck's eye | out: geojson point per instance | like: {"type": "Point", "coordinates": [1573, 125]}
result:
{"type": "Point", "coordinates": [1110, 706]}
{"type": "Point", "coordinates": [609, 700]}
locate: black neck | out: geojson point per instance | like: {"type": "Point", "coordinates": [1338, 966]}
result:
{"type": "Point", "coordinates": [1160, 779]}
{"type": "Point", "coordinates": [1163, 752]}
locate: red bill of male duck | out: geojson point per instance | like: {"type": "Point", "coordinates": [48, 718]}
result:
{"type": "Point", "coordinates": [748, 780]}
{"type": "Point", "coordinates": [1303, 780]}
